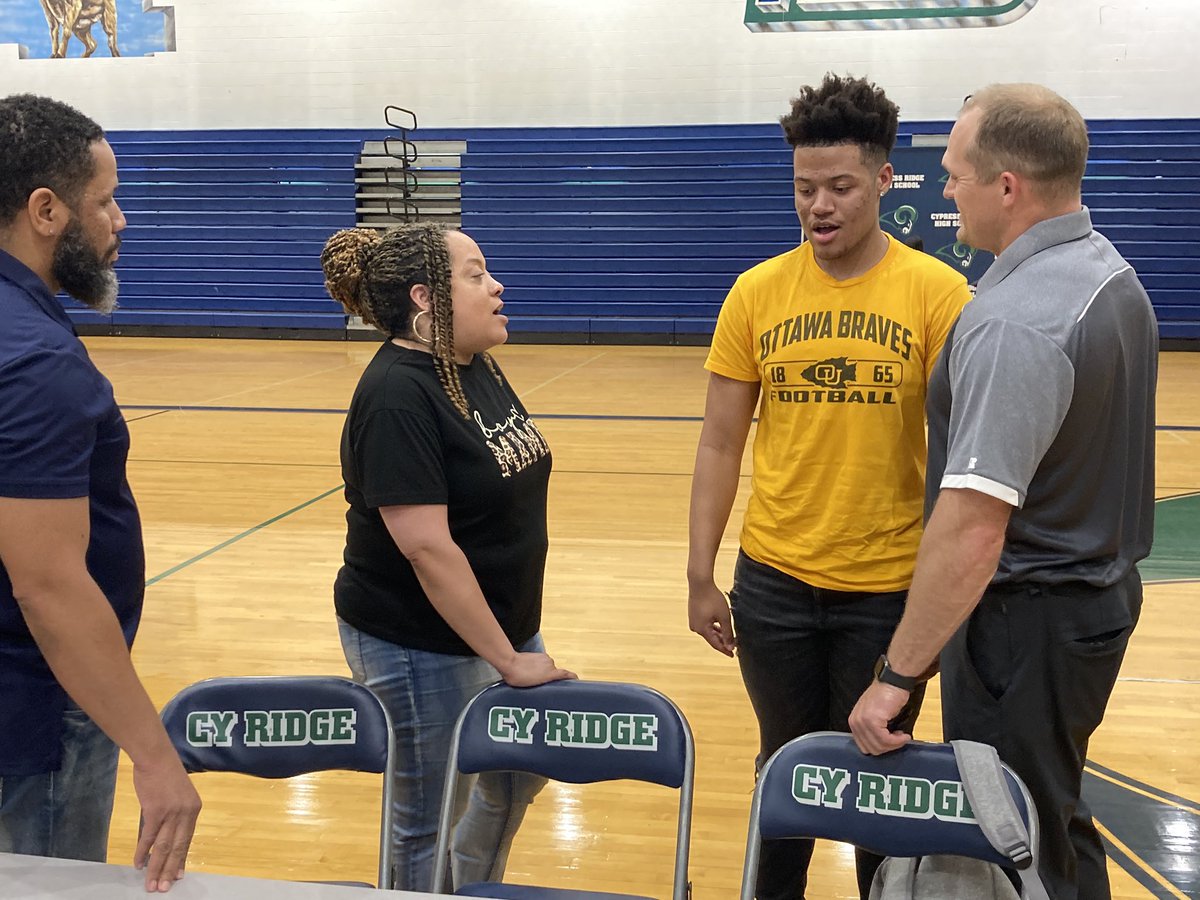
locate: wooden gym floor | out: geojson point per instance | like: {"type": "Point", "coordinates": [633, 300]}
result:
{"type": "Point", "coordinates": [235, 465]}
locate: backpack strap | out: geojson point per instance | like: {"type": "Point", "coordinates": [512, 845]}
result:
{"type": "Point", "coordinates": [995, 810]}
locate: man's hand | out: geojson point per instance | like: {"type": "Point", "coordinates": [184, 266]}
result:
{"type": "Point", "coordinates": [708, 616]}
{"type": "Point", "coordinates": [878, 705]}
{"type": "Point", "coordinates": [531, 669]}
{"type": "Point", "coordinates": [170, 806]}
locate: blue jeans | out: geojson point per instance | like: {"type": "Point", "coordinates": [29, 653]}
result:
{"type": "Point", "coordinates": [64, 814]}
{"type": "Point", "coordinates": [806, 655]}
{"type": "Point", "coordinates": [424, 693]}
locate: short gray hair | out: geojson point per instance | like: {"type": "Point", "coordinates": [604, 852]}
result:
{"type": "Point", "coordinates": [1029, 130]}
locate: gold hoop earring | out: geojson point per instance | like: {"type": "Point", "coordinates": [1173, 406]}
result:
{"type": "Point", "coordinates": [428, 342]}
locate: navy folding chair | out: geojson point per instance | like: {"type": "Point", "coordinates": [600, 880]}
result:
{"type": "Point", "coordinates": [280, 727]}
{"type": "Point", "coordinates": [578, 732]}
{"type": "Point", "coordinates": [905, 804]}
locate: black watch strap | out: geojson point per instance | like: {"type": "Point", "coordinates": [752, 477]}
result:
{"type": "Point", "coordinates": [885, 673]}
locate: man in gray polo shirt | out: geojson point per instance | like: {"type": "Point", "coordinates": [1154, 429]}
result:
{"type": "Point", "coordinates": [1040, 486]}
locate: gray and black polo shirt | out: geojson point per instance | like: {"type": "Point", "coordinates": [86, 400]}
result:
{"type": "Point", "coordinates": [1044, 398]}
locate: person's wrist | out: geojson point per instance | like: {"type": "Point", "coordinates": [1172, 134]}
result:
{"type": "Point", "coordinates": [506, 665]}
{"type": "Point", "coordinates": [161, 756]}
{"type": "Point", "coordinates": [885, 674]}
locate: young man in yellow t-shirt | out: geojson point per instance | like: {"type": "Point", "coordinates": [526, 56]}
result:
{"type": "Point", "coordinates": [834, 342]}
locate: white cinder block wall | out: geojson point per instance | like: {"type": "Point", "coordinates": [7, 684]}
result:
{"type": "Point", "coordinates": [336, 63]}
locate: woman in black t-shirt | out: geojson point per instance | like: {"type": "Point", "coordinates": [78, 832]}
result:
{"type": "Point", "coordinates": [446, 477]}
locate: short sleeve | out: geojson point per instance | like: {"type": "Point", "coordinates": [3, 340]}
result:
{"type": "Point", "coordinates": [50, 406]}
{"type": "Point", "coordinates": [732, 351]}
{"type": "Point", "coordinates": [399, 455]}
{"type": "Point", "coordinates": [942, 315]}
{"type": "Point", "coordinates": [1012, 387]}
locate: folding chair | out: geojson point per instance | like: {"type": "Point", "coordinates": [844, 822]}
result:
{"type": "Point", "coordinates": [904, 804]}
{"type": "Point", "coordinates": [279, 727]}
{"type": "Point", "coordinates": [578, 732]}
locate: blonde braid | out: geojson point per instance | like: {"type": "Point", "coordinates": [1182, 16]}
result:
{"type": "Point", "coordinates": [345, 260]}
{"type": "Point", "coordinates": [493, 368]}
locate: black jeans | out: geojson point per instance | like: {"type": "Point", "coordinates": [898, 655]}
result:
{"type": "Point", "coordinates": [1030, 673]}
{"type": "Point", "coordinates": [806, 655]}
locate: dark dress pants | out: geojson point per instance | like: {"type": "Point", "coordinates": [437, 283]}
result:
{"type": "Point", "coordinates": [1030, 673]}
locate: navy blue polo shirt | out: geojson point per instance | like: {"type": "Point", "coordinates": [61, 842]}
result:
{"type": "Point", "coordinates": [61, 436]}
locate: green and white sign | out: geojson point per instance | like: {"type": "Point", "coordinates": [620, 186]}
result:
{"type": "Point", "coordinates": [870, 15]}
{"type": "Point", "coordinates": [272, 727]}
{"type": "Point", "coordinates": [579, 730]}
{"type": "Point", "coordinates": [882, 795]}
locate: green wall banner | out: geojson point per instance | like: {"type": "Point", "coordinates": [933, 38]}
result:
{"type": "Point", "coordinates": [869, 15]}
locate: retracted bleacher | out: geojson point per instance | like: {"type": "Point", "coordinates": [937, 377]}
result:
{"type": "Point", "coordinates": [226, 229]}
{"type": "Point", "coordinates": [599, 234]}
{"type": "Point", "coordinates": [1142, 186]}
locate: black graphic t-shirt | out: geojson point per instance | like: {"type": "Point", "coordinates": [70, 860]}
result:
{"type": "Point", "coordinates": [404, 443]}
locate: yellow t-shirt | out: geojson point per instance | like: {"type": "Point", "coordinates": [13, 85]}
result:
{"type": "Point", "coordinates": [839, 457]}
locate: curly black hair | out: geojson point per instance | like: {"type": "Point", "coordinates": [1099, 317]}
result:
{"type": "Point", "coordinates": [843, 110]}
{"type": "Point", "coordinates": [43, 144]}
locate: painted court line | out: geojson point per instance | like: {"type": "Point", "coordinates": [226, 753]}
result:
{"type": "Point", "coordinates": [1136, 866]}
{"type": "Point", "coordinates": [342, 412]}
{"type": "Point", "coordinates": [563, 374]}
{"type": "Point", "coordinates": [237, 537]}
{"type": "Point", "coordinates": [1140, 787]}
{"type": "Point", "coordinates": [536, 415]}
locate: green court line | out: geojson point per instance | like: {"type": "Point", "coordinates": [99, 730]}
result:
{"type": "Point", "coordinates": [237, 537]}
{"type": "Point", "coordinates": [1175, 555]}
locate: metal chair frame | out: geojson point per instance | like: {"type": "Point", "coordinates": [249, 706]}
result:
{"type": "Point", "coordinates": [286, 694]}
{"type": "Point", "coordinates": [777, 812]}
{"type": "Point", "coordinates": [472, 750]}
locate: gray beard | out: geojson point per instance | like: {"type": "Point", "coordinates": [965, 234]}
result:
{"type": "Point", "coordinates": [106, 301]}
{"type": "Point", "coordinates": [82, 273]}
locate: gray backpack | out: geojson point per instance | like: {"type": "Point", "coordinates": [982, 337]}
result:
{"type": "Point", "coordinates": [961, 878]}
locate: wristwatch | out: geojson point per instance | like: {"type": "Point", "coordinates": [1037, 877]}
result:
{"type": "Point", "coordinates": [885, 673]}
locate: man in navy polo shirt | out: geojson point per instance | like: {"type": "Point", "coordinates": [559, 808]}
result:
{"type": "Point", "coordinates": [72, 568]}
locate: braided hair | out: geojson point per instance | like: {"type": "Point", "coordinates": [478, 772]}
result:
{"type": "Point", "coordinates": [372, 273]}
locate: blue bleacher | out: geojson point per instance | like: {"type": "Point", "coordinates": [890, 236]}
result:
{"type": "Point", "coordinates": [598, 233]}
{"type": "Point", "coordinates": [595, 214]}
{"type": "Point", "coordinates": [226, 229]}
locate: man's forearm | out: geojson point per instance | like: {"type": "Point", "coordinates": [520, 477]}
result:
{"type": "Point", "coordinates": [78, 634]}
{"type": "Point", "coordinates": [958, 557]}
{"type": "Point", "coordinates": [714, 488]}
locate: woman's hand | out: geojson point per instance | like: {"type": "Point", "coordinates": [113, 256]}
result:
{"type": "Point", "coordinates": [530, 669]}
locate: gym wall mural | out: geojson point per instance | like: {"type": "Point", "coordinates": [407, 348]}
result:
{"type": "Point", "coordinates": [58, 29]}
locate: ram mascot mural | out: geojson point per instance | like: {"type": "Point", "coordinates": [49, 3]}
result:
{"type": "Point", "coordinates": [76, 17]}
